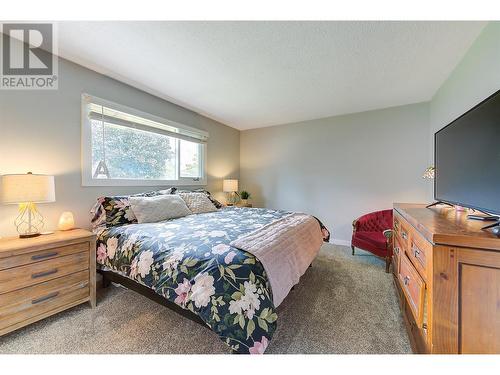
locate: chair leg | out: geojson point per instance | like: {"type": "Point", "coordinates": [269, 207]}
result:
{"type": "Point", "coordinates": [387, 264]}
{"type": "Point", "coordinates": [352, 247]}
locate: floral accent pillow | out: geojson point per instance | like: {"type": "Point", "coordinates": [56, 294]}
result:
{"type": "Point", "coordinates": [98, 216]}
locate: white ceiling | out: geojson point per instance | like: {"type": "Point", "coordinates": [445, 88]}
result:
{"type": "Point", "coordinates": [256, 74]}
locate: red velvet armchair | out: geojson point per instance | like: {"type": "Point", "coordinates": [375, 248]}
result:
{"type": "Point", "coordinates": [373, 232]}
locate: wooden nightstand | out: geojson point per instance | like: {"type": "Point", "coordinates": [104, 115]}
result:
{"type": "Point", "coordinates": [248, 205]}
{"type": "Point", "coordinates": [44, 275]}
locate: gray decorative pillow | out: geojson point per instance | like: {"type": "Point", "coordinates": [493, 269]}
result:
{"type": "Point", "coordinates": [198, 203]}
{"type": "Point", "coordinates": [115, 210]}
{"type": "Point", "coordinates": [158, 208]}
{"type": "Point", "coordinates": [216, 203]}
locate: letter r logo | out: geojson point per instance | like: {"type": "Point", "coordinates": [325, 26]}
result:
{"type": "Point", "coordinates": [32, 55]}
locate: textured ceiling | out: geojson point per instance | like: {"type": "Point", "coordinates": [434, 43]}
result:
{"type": "Point", "coordinates": [256, 74]}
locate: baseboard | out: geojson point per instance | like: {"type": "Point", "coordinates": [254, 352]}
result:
{"type": "Point", "coordinates": [340, 242]}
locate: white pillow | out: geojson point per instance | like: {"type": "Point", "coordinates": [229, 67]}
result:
{"type": "Point", "coordinates": [158, 208]}
{"type": "Point", "coordinates": [198, 203]}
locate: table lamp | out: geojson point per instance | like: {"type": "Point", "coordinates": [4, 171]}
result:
{"type": "Point", "coordinates": [27, 190]}
{"type": "Point", "coordinates": [231, 187]}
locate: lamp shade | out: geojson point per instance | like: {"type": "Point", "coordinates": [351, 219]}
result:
{"type": "Point", "coordinates": [23, 188]}
{"type": "Point", "coordinates": [229, 186]}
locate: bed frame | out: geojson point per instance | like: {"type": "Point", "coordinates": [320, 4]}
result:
{"type": "Point", "coordinates": [108, 277]}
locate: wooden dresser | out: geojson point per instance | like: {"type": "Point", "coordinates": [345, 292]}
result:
{"type": "Point", "coordinates": [447, 274]}
{"type": "Point", "coordinates": [44, 275]}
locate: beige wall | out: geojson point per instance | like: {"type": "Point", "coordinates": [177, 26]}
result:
{"type": "Point", "coordinates": [476, 77]}
{"type": "Point", "coordinates": [40, 132]}
{"type": "Point", "coordinates": [340, 167]}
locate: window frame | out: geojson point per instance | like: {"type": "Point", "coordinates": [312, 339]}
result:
{"type": "Point", "coordinates": [86, 144]}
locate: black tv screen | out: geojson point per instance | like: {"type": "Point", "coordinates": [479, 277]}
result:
{"type": "Point", "coordinates": [467, 158]}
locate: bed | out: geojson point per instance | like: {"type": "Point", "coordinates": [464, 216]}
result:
{"type": "Point", "coordinates": [190, 265]}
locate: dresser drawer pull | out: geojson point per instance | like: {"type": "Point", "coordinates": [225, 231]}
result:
{"type": "Point", "coordinates": [44, 256]}
{"type": "Point", "coordinates": [42, 274]}
{"type": "Point", "coordinates": [396, 250]}
{"type": "Point", "coordinates": [44, 298]}
{"type": "Point", "coordinates": [406, 280]}
{"type": "Point", "coordinates": [404, 235]}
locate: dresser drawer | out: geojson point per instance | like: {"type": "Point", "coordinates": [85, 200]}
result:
{"type": "Point", "coordinates": [401, 231]}
{"type": "Point", "coordinates": [396, 255]}
{"type": "Point", "coordinates": [39, 256]}
{"type": "Point", "coordinates": [413, 287]}
{"type": "Point", "coordinates": [30, 302]}
{"type": "Point", "coordinates": [21, 277]}
{"type": "Point", "coordinates": [419, 253]}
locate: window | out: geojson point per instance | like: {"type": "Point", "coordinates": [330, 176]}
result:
{"type": "Point", "coordinates": [123, 146]}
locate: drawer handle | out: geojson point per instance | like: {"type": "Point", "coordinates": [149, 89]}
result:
{"type": "Point", "coordinates": [406, 280]}
{"type": "Point", "coordinates": [44, 298]}
{"type": "Point", "coordinates": [416, 252]}
{"type": "Point", "coordinates": [44, 256]}
{"type": "Point", "coordinates": [42, 274]}
{"type": "Point", "coordinates": [404, 235]}
{"type": "Point", "coordinates": [396, 250]}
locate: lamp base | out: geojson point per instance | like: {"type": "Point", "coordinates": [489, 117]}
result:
{"type": "Point", "coordinates": [30, 235]}
{"type": "Point", "coordinates": [29, 222]}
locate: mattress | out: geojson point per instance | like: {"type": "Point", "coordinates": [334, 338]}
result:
{"type": "Point", "coordinates": [190, 262]}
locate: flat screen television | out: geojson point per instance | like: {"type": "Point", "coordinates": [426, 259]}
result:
{"type": "Point", "coordinates": [467, 158]}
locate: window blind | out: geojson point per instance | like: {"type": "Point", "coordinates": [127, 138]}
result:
{"type": "Point", "coordinates": [107, 114]}
{"type": "Point", "coordinates": [157, 159]}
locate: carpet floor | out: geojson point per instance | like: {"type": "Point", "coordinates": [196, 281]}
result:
{"type": "Point", "coordinates": [343, 304]}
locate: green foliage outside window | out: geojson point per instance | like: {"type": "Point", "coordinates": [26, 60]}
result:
{"type": "Point", "coordinates": [132, 153]}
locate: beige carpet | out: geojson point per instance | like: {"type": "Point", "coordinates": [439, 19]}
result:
{"type": "Point", "coordinates": [343, 304]}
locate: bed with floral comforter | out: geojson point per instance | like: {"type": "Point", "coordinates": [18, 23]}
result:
{"type": "Point", "coordinates": [189, 262]}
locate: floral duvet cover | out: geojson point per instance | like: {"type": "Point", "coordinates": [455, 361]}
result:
{"type": "Point", "coordinates": [189, 262]}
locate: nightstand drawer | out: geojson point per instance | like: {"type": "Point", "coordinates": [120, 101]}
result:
{"type": "Point", "coordinates": [30, 302]}
{"type": "Point", "coordinates": [39, 256]}
{"type": "Point", "coordinates": [21, 277]}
